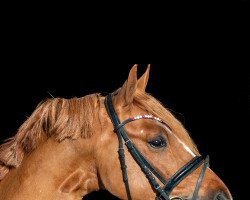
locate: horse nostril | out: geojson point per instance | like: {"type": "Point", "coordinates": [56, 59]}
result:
{"type": "Point", "coordinates": [220, 196]}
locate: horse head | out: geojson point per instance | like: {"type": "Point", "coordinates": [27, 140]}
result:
{"type": "Point", "coordinates": [162, 146]}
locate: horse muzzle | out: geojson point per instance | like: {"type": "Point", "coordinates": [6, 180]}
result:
{"type": "Point", "coordinates": [212, 196]}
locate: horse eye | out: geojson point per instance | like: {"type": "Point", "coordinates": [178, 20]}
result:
{"type": "Point", "coordinates": [158, 142]}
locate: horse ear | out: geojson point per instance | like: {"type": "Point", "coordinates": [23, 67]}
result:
{"type": "Point", "coordinates": [142, 82]}
{"type": "Point", "coordinates": [126, 92]}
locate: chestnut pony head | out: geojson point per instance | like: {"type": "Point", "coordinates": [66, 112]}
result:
{"type": "Point", "coordinates": [68, 148]}
{"type": "Point", "coordinates": [161, 140]}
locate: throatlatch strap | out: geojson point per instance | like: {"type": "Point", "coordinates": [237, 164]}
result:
{"type": "Point", "coordinates": [116, 122]}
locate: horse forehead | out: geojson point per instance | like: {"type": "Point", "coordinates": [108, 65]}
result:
{"type": "Point", "coordinates": [143, 128]}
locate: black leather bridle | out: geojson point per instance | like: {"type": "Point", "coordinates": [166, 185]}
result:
{"type": "Point", "coordinates": [162, 193]}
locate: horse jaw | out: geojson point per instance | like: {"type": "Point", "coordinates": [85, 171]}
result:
{"type": "Point", "coordinates": [79, 184]}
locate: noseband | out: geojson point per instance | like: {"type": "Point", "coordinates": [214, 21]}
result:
{"type": "Point", "coordinates": [162, 193]}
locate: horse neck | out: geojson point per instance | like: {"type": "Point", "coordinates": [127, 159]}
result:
{"type": "Point", "coordinates": [53, 171]}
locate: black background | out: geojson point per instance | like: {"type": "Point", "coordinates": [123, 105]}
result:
{"type": "Point", "coordinates": [199, 71]}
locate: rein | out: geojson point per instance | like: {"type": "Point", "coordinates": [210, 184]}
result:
{"type": "Point", "coordinates": [162, 193]}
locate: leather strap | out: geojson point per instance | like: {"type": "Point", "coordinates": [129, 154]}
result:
{"type": "Point", "coordinates": [183, 173]}
{"type": "Point", "coordinates": [202, 173]}
{"type": "Point", "coordinates": [132, 149]}
{"type": "Point", "coordinates": [116, 122]}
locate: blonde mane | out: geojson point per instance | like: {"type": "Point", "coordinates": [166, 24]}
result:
{"type": "Point", "coordinates": [59, 118]}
